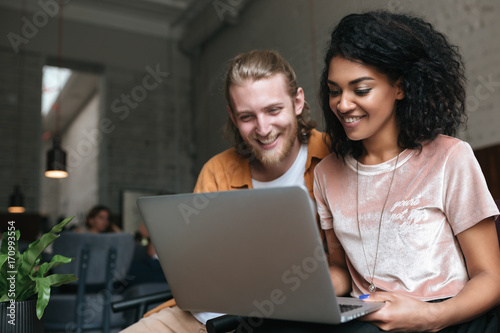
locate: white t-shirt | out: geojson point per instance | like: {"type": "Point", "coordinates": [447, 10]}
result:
{"type": "Point", "coordinates": [293, 176]}
{"type": "Point", "coordinates": [436, 194]}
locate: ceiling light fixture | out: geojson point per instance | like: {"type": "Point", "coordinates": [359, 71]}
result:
{"type": "Point", "coordinates": [56, 160]}
{"type": "Point", "coordinates": [56, 157]}
{"type": "Point", "coordinates": [16, 199]}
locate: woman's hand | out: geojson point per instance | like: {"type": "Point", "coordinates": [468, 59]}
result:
{"type": "Point", "coordinates": [402, 313]}
{"type": "Point", "coordinates": [339, 273]}
{"type": "Point", "coordinates": [479, 245]}
{"type": "Point", "coordinates": [115, 228]}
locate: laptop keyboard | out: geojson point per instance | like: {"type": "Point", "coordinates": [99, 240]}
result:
{"type": "Point", "coordinates": [348, 307]}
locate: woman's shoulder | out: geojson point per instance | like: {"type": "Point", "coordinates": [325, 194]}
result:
{"type": "Point", "coordinates": [445, 140]}
{"type": "Point", "coordinates": [330, 161]}
{"type": "Point", "coordinates": [444, 144]}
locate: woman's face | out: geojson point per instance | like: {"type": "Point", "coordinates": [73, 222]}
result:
{"type": "Point", "coordinates": [363, 99]}
{"type": "Point", "coordinates": [100, 222]}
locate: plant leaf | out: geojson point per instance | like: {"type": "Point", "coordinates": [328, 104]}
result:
{"type": "Point", "coordinates": [31, 255]}
{"type": "Point", "coordinates": [27, 292]}
{"type": "Point", "coordinates": [43, 285]}
{"type": "Point", "coordinates": [30, 281]}
{"type": "Point", "coordinates": [43, 290]}
{"type": "Point", "coordinates": [56, 261]}
{"type": "Point", "coordinates": [55, 280]}
{"type": "Point", "coordinates": [8, 261]}
{"type": "Point", "coordinates": [4, 298]}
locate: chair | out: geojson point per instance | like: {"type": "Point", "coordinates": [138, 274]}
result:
{"type": "Point", "coordinates": [159, 291]}
{"type": "Point", "coordinates": [101, 263]}
{"type": "Point", "coordinates": [141, 304]}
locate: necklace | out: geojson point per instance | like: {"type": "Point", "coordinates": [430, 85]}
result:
{"type": "Point", "coordinates": [372, 286]}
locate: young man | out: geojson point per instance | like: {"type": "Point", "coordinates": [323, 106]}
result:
{"type": "Point", "coordinates": [274, 144]}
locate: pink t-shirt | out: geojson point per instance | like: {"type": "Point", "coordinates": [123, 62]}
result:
{"type": "Point", "coordinates": [436, 194]}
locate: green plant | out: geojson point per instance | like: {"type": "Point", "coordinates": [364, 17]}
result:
{"type": "Point", "coordinates": [22, 275]}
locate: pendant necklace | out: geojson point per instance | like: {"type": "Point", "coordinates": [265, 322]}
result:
{"type": "Point", "coordinates": [372, 286]}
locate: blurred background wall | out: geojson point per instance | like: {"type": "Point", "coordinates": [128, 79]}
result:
{"type": "Point", "coordinates": [144, 107]}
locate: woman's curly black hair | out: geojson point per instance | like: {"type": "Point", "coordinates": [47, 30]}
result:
{"type": "Point", "coordinates": [407, 48]}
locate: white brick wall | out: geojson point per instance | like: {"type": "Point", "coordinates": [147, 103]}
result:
{"type": "Point", "coordinates": [145, 150]}
{"type": "Point", "coordinates": [79, 192]}
{"type": "Point", "coordinates": [24, 137]}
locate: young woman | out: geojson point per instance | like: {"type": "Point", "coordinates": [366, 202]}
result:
{"type": "Point", "coordinates": [98, 220]}
{"type": "Point", "coordinates": [408, 217]}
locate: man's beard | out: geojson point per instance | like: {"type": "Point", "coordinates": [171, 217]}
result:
{"type": "Point", "coordinates": [271, 157]}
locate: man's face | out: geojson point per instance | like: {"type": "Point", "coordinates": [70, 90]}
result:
{"type": "Point", "coordinates": [266, 117]}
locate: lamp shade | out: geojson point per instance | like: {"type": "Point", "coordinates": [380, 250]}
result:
{"type": "Point", "coordinates": [56, 161]}
{"type": "Point", "coordinates": [16, 201]}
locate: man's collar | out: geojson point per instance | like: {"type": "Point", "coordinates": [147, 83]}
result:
{"type": "Point", "coordinates": [242, 177]}
{"type": "Point", "coordinates": [317, 146]}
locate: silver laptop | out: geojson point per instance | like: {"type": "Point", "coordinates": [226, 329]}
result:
{"type": "Point", "coordinates": [254, 253]}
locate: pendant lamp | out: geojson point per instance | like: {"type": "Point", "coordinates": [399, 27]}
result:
{"type": "Point", "coordinates": [56, 157]}
{"type": "Point", "coordinates": [56, 161]}
{"type": "Point", "coordinates": [16, 201]}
